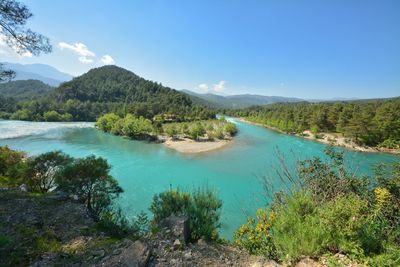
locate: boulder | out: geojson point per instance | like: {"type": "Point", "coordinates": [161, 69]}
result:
{"type": "Point", "coordinates": [136, 254]}
{"type": "Point", "coordinates": [178, 226]}
{"type": "Point", "coordinates": [24, 188]}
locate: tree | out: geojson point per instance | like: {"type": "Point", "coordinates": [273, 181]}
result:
{"type": "Point", "coordinates": [13, 18]}
{"type": "Point", "coordinates": [44, 168]}
{"type": "Point", "coordinates": [197, 131]}
{"type": "Point", "coordinates": [89, 178]}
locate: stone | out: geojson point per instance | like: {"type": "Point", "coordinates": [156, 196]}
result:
{"type": "Point", "coordinates": [99, 253]}
{"type": "Point", "coordinates": [187, 255]}
{"type": "Point", "coordinates": [24, 188]}
{"type": "Point", "coordinates": [201, 242]}
{"type": "Point", "coordinates": [135, 255]}
{"type": "Point", "coordinates": [177, 244]}
{"type": "Point", "coordinates": [179, 227]}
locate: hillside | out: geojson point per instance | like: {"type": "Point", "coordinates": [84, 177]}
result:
{"type": "Point", "coordinates": [115, 84]}
{"type": "Point", "coordinates": [41, 72]}
{"type": "Point", "coordinates": [25, 89]}
{"type": "Point", "coordinates": [103, 90]}
{"type": "Point", "coordinates": [237, 101]}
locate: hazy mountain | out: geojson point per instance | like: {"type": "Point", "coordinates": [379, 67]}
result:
{"type": "Point", "coordinates": [237, 101]}
{"type": "Point", "coordinates": [41, 72]}
{"type": "Point", "coordinates": [25, 89]}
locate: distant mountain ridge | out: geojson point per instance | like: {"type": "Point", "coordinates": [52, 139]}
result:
{"type": "Point", "coordinates": [25, 89]}
{"type": "Point", "coordinates": [42, 72]}
{"type": "Point", "coordinates": [237, 101]}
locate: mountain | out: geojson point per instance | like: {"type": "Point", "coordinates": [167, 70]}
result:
{"type": "Point", "coordinates": [110, 84]}
{"type": "Point", "coordinates": [237, 101]}
{"type": "Point", "coordinates": [25, 89]}
{"type": "Point", "coordinates": [41, 72]}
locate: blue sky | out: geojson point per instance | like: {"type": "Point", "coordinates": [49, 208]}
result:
{"type": "Point", "coordinates": [308, 49]}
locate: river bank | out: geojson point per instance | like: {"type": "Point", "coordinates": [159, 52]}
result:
{"type": "Point", "coordinates": [331, 139]}
{"type": "Point", "coordinates": [188, 146]}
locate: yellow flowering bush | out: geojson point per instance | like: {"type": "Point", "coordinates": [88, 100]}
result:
{"type": "Point", "coordinates": [255, 234]}
{"type": "Point", "coordinates": [382, 197]}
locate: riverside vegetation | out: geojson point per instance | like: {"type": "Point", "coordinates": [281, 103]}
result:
{"type": "Point", "coordinates": [373, 123]}
{"type": "Point", "coordinates": [327, 211]}
{"type": "Point", "coordinates": [141, 128]}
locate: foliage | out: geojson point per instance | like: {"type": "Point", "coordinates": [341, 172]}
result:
{"type": "Point", "coordinates": [25, 89]}
{"type": "Point", "coordinates": [202, 207]}
{"type": "Point", "coordinates": [13, 18]}
{"type": "Point", "coordinates": [108, 89]}
{"type": "Point", "coordinates": [331, 210]}
{"type": "Point", "coordinates": [89, 178]}
{"type": "Point", "coordinates": [13, 168]}
{"type": "Point", "coordinates": [43, 169]}
{"type": "Point", "coordinates": [107, 121]}
{"type": "Point", "coordinates": [231, 129]}
{"type": "Point", "coordinates": [255, 235]}
{"type": "Point", "coordinates": [329, 179]}
{"type": "Point", "coordinates": [197, 131]}
{"type": "Point", "coordinates": [372, 122]}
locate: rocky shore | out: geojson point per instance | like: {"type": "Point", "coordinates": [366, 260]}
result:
{"type": "Point", "coordinates": [54, 230]}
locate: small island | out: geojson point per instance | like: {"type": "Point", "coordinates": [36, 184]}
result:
{"type": "Point", "coordinates": [195, 136]}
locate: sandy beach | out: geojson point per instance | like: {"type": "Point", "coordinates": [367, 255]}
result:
{"type": "Point", "coordinates": [332, 139]}
{"type": "Point", "coordinates": [189, 146]}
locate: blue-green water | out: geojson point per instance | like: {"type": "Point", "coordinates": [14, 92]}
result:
{"type": "Point", "coordinates": [144, 169]}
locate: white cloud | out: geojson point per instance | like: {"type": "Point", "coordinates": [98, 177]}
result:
{"type": "Point", "coordinates": [203, 88]}
{"type": "Point", "coordinates": [219, 87]}
{"type": "Point", "coordinates": [107, 60]}
{"type": "Point", "coordinates": [79, 48]}
{"type": "Point", "coordinates": [85, 60]}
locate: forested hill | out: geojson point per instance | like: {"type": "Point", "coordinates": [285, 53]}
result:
{"type": "Point", "coordinates": [374, 122]}
{"type": "Point", "coordinates": [103, 90]}
{"type": "Point", "coordinates": [115, 84]}
{"type": "Point", "coordinates": [24, 89]}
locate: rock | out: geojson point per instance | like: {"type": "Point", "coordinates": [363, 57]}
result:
{"type": "Point", "coordinates": [201, 242]}
{"type": "Point", "coordinates": [179, 227]}
{"type": "Point", "coordinates": [135, 255]}
{"type": "Point", "coordinates": [187, 255]}
{"type": "Point", "coordinates": [177, 244]}
{"type": "Point", "coordinates": [24, 188]}
{"type": "Point", "coordinates": [117, 251]}
{"type": "Point", "coordinates": [99, 253]}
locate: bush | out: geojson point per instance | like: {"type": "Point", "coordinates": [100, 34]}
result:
{"type": "Point", "coordinates": [231, 129]}
{"type": "Point", "coordinates": [202, 207]}
{"type": "Point", "coordinates": [52, 116]}
{"type": "Point", "coordinates": [89, 178]}
{"type": "Point", "coordinates": [107, 121]}
{"type": "Point", "coordinates": [43, 169]}
{"type": "Point", "coordinates": [297, 230]}
{"type": "Point", "coordinates": [13, 168]}
{"type": "Point", "coordinates": [117, 225]}
{"type": "Point", "coordinates": [255, 235]}
{"type": "Point", "coordinates": [197, 131]}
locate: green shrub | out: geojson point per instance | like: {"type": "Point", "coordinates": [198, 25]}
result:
{"type": "Point", "coordinates": [107, 121]}
{"type": "Point", "coordinates": [197, 131]}
{"type": "Point", "coordinates": [43, 169]}
{"type": "Point", "coordinates": [390, 143]}
{"type": "Point", "coordinates": [231, 129]}
{"type": "Point", "coordinates": [202, 207]}
{"type": "Point", "coordinates": [256, 236]}
{"type": "Point", "coordinates": [297, 230]}
{"type": "Point", "coordinates": [90, 180]}
{"type": "Point", "coordinates": [13, 168]}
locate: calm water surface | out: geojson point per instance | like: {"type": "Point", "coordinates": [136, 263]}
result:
{"type": "Point", "coordinates": [144, 169]}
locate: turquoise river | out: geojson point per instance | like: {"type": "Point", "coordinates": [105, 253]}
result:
{"type": "Point", "coordinates": [142, 169]}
